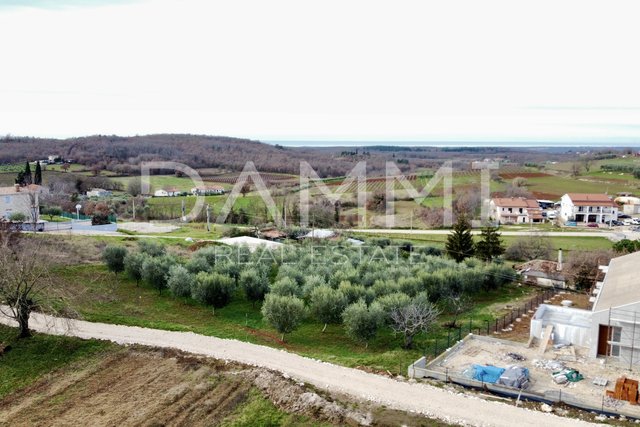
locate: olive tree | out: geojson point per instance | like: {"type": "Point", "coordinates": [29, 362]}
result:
{"type": "Point", "coordinates": [327, 304]}
{"type": "Point", "coordinates": [180, 281]}
{"type": "Point", "coordinates": [113, 257]}
{"type": "Point", "coordinates": [255, 285]}
{"type": "Point", "coordinates": [362, 322]}
{"type": "Point", "coordinates": [133, 263]}
{"type": "Point", "coordinates": [155, 271]}
{"type": "Point", "coordinates": [151, 247]}
{"type": "Point", "coordinates": [284, 313]}
{"type": "Point", "coordinates": [213, 289]}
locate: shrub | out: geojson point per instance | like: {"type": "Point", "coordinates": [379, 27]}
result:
{"type": "Point", "coordinates": [255, 285]}
{"type": "Point", "coordinates": [286, 287]}
{"type": "Point", "coordinates": [155, 271]}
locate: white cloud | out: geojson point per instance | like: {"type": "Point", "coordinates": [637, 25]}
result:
{"type": "Point", "coordinates": [367, 69]}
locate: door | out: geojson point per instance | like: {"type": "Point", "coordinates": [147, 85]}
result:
{"type": "Point", "coordinates": [603, 336]}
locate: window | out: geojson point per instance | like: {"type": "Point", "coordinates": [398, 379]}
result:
{"type": "Point", "coordinates": [616, 334]}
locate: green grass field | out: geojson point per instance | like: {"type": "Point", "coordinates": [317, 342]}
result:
{"type": "Point", "coordinates": [100, 297]}
{"type": "Point", "coordinates": [31, 358]}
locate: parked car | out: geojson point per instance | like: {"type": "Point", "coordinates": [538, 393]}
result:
{"type": "Point", "coordinates": [592, 225]}
{"type": "Point", "coordinates": [635, 221]}
{"type": "Point", "coordinates": [552, 214]}
{"type": "Point", "coordinates": [623, 216]}
{"type": "Point", "coordinates": [617, 223]}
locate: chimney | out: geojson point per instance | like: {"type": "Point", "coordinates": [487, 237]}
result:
{"type": "Point", "coordinates": [559, 259]}
{"type": "Point", "coordinates": [17, 187]}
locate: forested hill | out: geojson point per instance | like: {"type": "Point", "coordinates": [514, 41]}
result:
{"type": "Point", "coordinates": [124, 154]}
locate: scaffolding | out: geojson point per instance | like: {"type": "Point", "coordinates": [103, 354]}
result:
{"type": "Point", "coordinates": [623, 334]}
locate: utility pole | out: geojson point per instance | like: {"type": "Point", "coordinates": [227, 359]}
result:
{"type": "Point", "coordinates": [208, 217]}
{"type": "Point", "coordinates": [183, 211]}
{"type": "Point", "coordinates": [134, 208]}
{"type": "Point", "coordinates": [411, 222]}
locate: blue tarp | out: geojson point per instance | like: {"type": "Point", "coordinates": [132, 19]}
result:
{"type": "Point", "coordinates": [487, 374]}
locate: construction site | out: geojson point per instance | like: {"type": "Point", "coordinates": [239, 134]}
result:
{"type": "Point", "coordinates": [543, 362]}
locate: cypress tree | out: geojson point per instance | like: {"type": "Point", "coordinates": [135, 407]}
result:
{"type": "Point", "coordinates": [459, 243]}
{"type": "Point", "coordinates": [28, 178]}
{"type": "Point", "coordinates": [37, 177]}
{"type": "Point", "coordinates": [490, 246]}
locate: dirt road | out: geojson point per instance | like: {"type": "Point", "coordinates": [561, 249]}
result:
{"type": "Point", "coordinates": [401, 395]}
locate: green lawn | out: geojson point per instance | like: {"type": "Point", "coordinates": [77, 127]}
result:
{"type": "Point", "coordinates": [31, 358]}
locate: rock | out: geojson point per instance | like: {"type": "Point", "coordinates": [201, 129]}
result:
{"type": "Point", "coordinates": [546, 408]}
{"type": "Point", "coordinates": [601, 418]}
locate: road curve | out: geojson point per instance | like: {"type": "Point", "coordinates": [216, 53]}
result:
{"type": "Point", "coordinates": [414, 397]}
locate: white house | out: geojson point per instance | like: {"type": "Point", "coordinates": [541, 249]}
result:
{"type": "Point", "coordinates": [17, 199]}
{"type": "Point", "coordinates": [168, 192]}
{"type": "Point", "coordinates": [207, 190]}
{"type": "Point", "coordinates": [515, 210]}
{"type": "Point", "coordinates": [630, 205]}
{"type": "Point", "coordinates": [586, 208]}
{"type": "Point", "coordinates": [611, 329]}
{"type": "Point", "coordinates": [98, 192]}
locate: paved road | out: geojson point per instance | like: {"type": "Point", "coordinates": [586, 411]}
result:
{"type": "Point", "coordinates": [401, 395]}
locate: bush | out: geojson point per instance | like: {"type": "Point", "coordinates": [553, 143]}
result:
{"type": "Point", "coordinates": [284, 313]}
{"type": "Point", "coordinates": [529, 248]}
{"type": "Point", "coordinates": [180, 281]}
{"type": "Point", "coordinates": [17, 217]}
{"type": "Point", "coordinates": [114, 257]}
{"type": "Point", "coordinates": [362, 322]}
{"type": "Point", "coordinates": [213, 289]}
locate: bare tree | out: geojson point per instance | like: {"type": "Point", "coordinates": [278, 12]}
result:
{"type": "Point", "coordinates": [25, 283]}
{"type": "Point", "coordinates": [412, 319]}
{"type": "Point", "coordinates": [457, 303]}
{"type": "Point", "coordinates": [576, 168]}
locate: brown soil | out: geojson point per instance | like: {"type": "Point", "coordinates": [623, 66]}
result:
{"type": "Point", "coordinates": [524, 175]}
{"type": "Point", "coordinates": [139, 386]}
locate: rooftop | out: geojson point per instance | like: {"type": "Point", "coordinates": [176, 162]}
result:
{"type": "Point", "coordinates": [515, 202]}
{"type": "Point", "coordinates": [12, 189]}
{"type": "Point", "coordinates": [621, 285]}
{"type": "Point", "coordinates": [252, 242]}
{"type": "Point", "coordinates": [588, 199]}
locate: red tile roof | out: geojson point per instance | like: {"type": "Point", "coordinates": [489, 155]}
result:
{"type": "Point", "coordinates": [515, 202]}
{"type": "Point", "coordinates": [585, 199]}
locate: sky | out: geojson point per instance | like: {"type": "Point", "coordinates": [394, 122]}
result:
{"type": "Point", "coordinates": [415, 71]}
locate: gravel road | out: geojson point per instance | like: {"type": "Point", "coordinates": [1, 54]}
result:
{"type": "Point", "coordinates": [415, 397]}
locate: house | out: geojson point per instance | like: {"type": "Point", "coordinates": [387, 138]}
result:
{"type": "Point", "coordinates": [167, 192]}
{"type": "Point", "coordinates": [17, 199]}
{"type": "Point", "coordinates": [319, 234]}
{"type": "Point", "coordinates": [630, 205]}
{"type": "Point", "coordinates": [98, 192]}
{"type": "Point", "coordinates": [542, 272]}
{"type": "Point", "coordinates": [207, 190]}
{"type": "Point", "coordinates": [515, 210]}
{"type": "Point", "coordinates": [611, 329]}
{"type": "Point", "coordinates": [588, 208]}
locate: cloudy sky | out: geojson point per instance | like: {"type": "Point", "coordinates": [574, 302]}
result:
{"type": "Point", "coordinates": [478, 71]}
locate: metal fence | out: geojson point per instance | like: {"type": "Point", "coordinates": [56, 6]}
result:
{"type": "Point", "coordinates": [485, 326]}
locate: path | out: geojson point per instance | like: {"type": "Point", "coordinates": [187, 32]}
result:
{"type": "Point", "coordinates": [415, 397]}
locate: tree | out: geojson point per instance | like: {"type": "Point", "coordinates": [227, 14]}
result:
{"type": "Point", "coordinates": [490, 245]}
{"type": "Point", "coordinates": [255, 285]}
{"type": "Point", "coordinates": [575, 170]}
{"type": "Point", "coordinates": [151, 247]}
{"type": "Point", "coordinates": [25, 283]}
{"type": "Point", "coordinates": [412, 319]}
{"type": "Point", "coordinates": [213, 289]}
{"type": "Point", "coordinates": [66, 167]}
{"type": "Point", "coordinates": [284, 313]}
{"type": "Point", "coordinates": [52, 211]}
{"type": "Point", "coordinates": [28, 178]}
{"type": "Point", "coordinates": [114, 257]}
{"type": "Point", "coordinates": [134, 187]}
{"type": "Point", "coordinates": [286, 287]}
{"type": "Point", "coordinates": [37, 177]}
{"type": "Point", "coordinates": [155, 271]}
{"type": "Point", "coordinates": [327, 305]}
{"type": "Point", "coordinates": [457, 303]}
{"type": "Point", "coordinates": [180, 281]}
{"type": "Point", "coordinates": [459, 243]}
{"type": "Point", "coordinates": [133, 263]}
{"type": "Point", "coordinates": [362, 322]}
{"type": "Point", "coordinates": [528, 248]}
{"type": "Point", "coordinates": [246, 187]}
